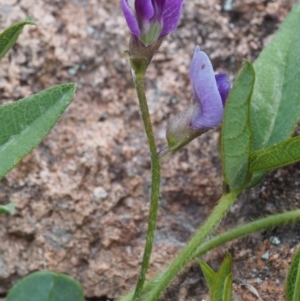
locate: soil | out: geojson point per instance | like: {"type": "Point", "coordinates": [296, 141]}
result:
{"type": "Point", "coordinates": [82, 195]}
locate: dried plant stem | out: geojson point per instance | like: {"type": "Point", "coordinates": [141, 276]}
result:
{"type": "Point", "coordinates": [155, 182]}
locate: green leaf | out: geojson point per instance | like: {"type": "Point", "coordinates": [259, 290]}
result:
{"type": "Point", "coordinates": [279, 155]}
{"type": "Point", "coordinates": [236, 132]}
{"type": "Point", "coordinates": [23, 124]}
{"type": "Point", "coordinates": [275, 103]}
{"type": "Point", "coordinates": [10, 35]}
{"type": "Point", "coordinates": [209, 275]}
{"type": "Point", "coordinates": [227, 288]}
{"type": "Point", "coordinates": [9, 208]}
{"type": "Point", "coordinates": [46, 286]}
{"type": "Point", "coordinates": [292, 288]}
{"type": "Point", "coordinates": [219, 286]}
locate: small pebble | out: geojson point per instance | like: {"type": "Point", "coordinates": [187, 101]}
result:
{"type": "Point", "coordinates": [73, 70]}
{"type": "Point", "coordinates": [275, 240]}
{"type": "Point", "coordinates": [99, 194]}
{"type": "Point", "coordinates": [90, 30]}
{"type": "Point", "coordinates": [228, 5]}
{"type": "Point", "coordinates": [266, 256]}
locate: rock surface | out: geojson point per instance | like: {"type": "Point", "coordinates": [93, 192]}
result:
{"type": "Point", "coordinates": [82, 195]}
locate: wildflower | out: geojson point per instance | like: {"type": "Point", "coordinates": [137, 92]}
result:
{"type": "Point", "coordinates": [151, 20]}
{"type": "Point", "coordinates": [210, 92]}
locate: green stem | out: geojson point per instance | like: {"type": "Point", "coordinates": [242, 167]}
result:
{"type": "Point", "coordinates": [241, 231]}
{"type": "Point", "coordinates": [186, 254]}
{"type": "Point", "coordinates": [230, 235]}
{"type": "Point", "coordinates": [155, 181]}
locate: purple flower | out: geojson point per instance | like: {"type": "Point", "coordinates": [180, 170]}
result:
{"type": "Point", "coordinates": [210, 92]}
{"type": "Point", "coordinates": [150, 20]}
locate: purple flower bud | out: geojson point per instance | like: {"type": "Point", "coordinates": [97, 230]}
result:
{"type": "Point", "coordinates": [150, 20]}
{"type": "Point", "coordinates": [210, 92]}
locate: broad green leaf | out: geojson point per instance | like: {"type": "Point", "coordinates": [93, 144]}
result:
{"type": "Point", "coordinates": [275, 103]}
{"type": "Point", "coordinates": [9, 208]}
{"type": "Point", "coordinates": [236, 132]}
{"type": "Point", "coordinates": [221, 280]}
{"type": "Point", "coordinates": [227, 293]}
{"type": "Point", "coordinates": [10, 35]}
{"type": "Point", "coordinates": [209, 275]}
{"type": "Point", "coordinates": [46, 286]}
{"type": "Point", "coordinates": [279, 155]}
{"type": "Point", "coordinates": [23, 124]}
{"type": "Point", "coordinates": [292, 287]}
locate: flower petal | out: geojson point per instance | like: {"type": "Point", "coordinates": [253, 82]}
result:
{"type": "Point", "coordinates": [144, 10]}
{"type": "Point", "coordinates": [223, 85]}
{"type": "Point", "coordinates": [171, 16]}
{"type": "Point", "coordinates": [206, 93]}
{"type": "Point", "coordinates": [131, 19]}
{"type": "Point", "coordinates": [160, 4]}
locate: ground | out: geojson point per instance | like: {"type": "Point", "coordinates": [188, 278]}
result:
{"type": "Point", "coordinates": [82, 195]}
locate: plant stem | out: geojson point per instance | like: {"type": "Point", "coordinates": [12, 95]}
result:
{"type": "Point", "coordinates": [186, 255]}
{"type": "Point", "coordinates": [155, 181]}
{"type": "Point", "coordinates": [240, 231]}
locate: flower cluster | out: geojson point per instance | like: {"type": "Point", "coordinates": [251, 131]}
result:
{"type": "Point", "coordinates": [151, 20]}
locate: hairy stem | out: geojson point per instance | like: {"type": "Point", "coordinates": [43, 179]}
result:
{"type": "Point", "coordinates": [187, 254]}
{"type": "Point", "coordinates": [240, 231]}
{"type": "Point", "coordinates": [155, 182]}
